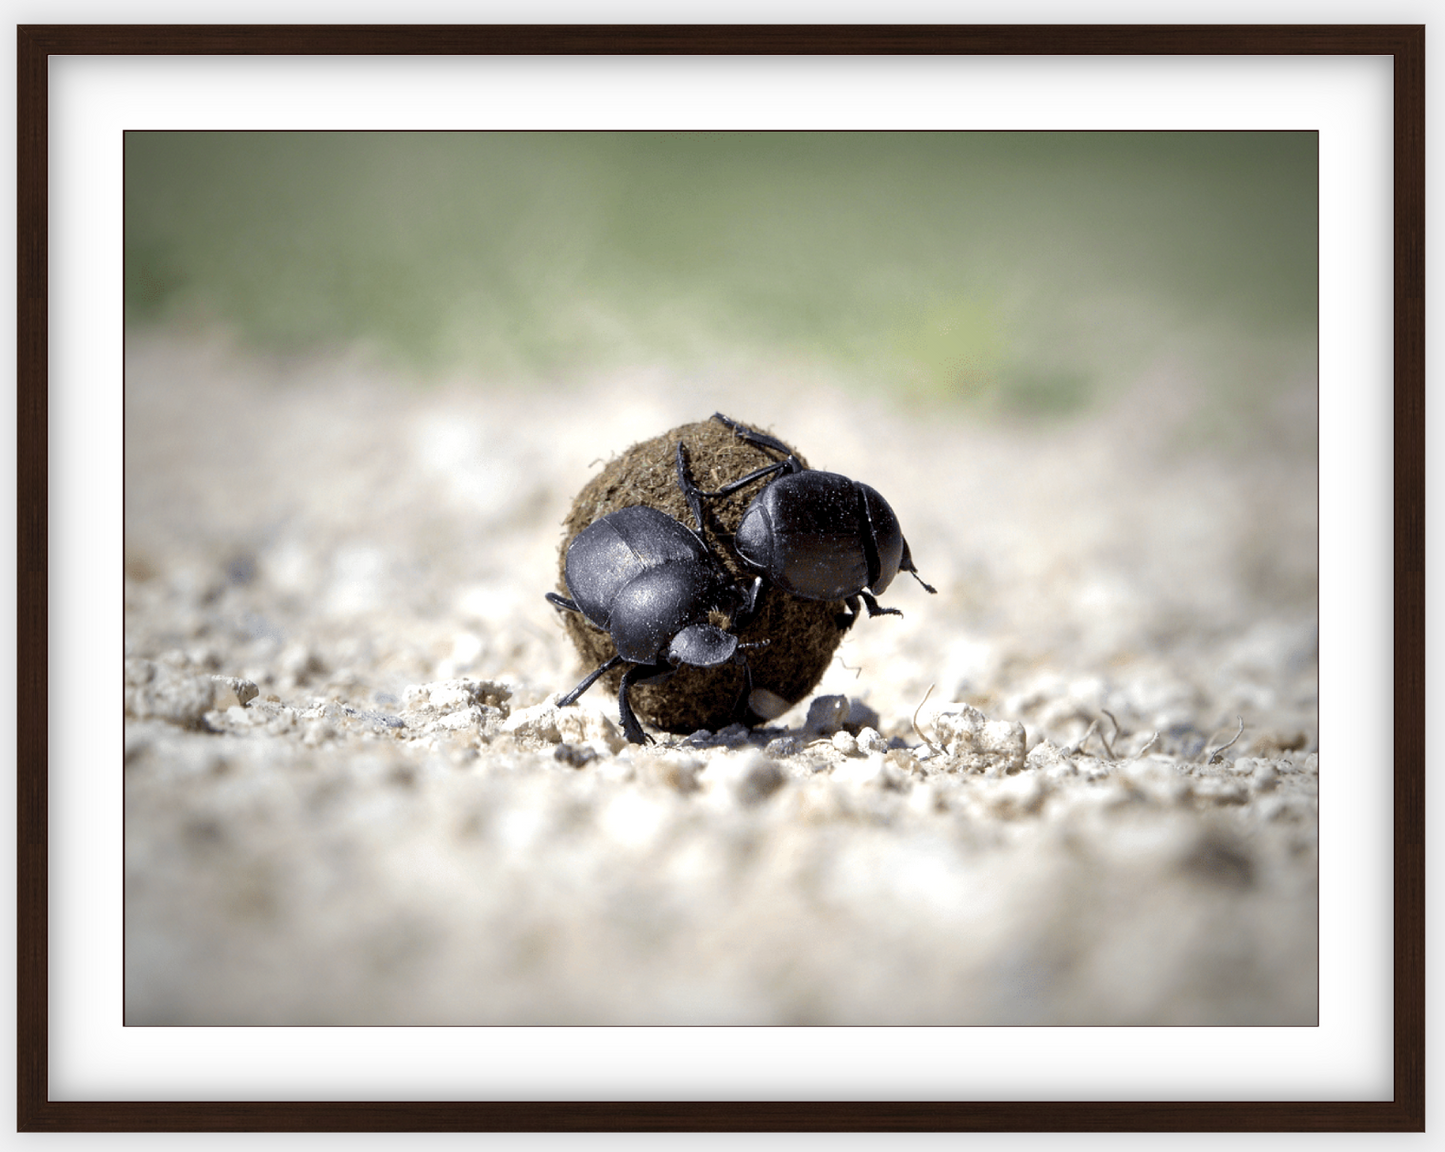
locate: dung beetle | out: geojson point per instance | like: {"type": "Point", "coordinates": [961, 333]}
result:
{"type": "Point", "coordinates": [816, 535]}
{"type": "Point", "coordinates": [650, 582]}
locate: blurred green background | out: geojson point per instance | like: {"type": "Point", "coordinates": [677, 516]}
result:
{"type": "Point", "coordinates": [1017, 272]}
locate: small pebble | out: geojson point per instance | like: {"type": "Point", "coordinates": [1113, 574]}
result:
{"type": "Point", "coordinates": [768, 705]}
{"type": "Point", "coordinates": [734, 736]}
{"type": "Point", "coordinates": [826, 714]}
{"type": "Point", "coordinates": [575, 755]}
{"type": "Point", "coordinates": [783, 746]}
{"type": "Point", "coordinates": [975, 743]}
{"type": "Point", "coordinates": [231, 692]}
{"type": "Point", "coordinates": [871, 740]}
{"type": "Point", "coordinates": [860, 715]}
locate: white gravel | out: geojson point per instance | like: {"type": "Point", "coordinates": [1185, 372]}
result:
{"type": "Point", "coordinates": [349, 798]}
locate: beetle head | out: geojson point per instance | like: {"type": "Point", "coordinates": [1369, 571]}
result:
{"type": "Point", "coordinates": [704, 645]}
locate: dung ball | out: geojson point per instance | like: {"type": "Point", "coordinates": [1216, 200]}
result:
{"type": "Point", "coordinates": [802, 635]}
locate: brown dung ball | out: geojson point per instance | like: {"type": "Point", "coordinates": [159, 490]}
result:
{"type": "Point", "coordinates": [802, 635]}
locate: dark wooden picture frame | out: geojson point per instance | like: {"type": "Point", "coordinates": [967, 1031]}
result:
{"type": "Point", "coordinates": [1406, 1112]}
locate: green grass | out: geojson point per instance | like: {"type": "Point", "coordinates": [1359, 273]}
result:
{"type": "Point", "coordinates": [1017, 270]}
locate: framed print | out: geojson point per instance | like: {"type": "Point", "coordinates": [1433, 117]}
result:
{"type": "Point", "coordinates": [971, 670]}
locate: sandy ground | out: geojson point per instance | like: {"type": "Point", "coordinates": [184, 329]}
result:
{"type": "Point", "coordinates": [349, 798]}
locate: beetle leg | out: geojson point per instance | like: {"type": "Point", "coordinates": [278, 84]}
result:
{"type": "Point", "coordinates": [690, 491]}
{"type": "Point", "coordinates": [847, 619]}
{"type": "Point", "coordinates": [562, 602]}
{"type": "Point", "coordinates": [694, 494]}
{"type": "Point", "coordinates": [741, 708]}
{"type": "Point", "coordinates": [631, 728]}
{"type": "Point", "coordinates": [874, 608]}
{"type": "Point", "coordinates": [761, 440]}
{"type": "Point", "coordinates": [749, 595]}
{"type": "Point", "coordinates": [587, 681]}
{"type": "Point", "coordinates": [732, 486]}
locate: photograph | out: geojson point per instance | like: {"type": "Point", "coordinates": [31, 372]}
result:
{"type": "Point", "coordinates": [722, 578]}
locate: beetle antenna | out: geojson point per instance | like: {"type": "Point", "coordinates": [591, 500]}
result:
{"type": "Point", "coordinates": [906, 564]}
{"type": "Point", "coordinates": [914, 573]}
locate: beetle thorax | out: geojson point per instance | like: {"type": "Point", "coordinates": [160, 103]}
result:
{"type": "Point", "coordinates": [656, 605]}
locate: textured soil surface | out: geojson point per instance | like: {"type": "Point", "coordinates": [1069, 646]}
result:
{"type": "Point", "coordinates": [350, 798]}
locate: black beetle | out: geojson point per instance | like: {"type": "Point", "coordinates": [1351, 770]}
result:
{"type": "Point", "coordinates": [816, 535]}
{"type": "Point", "coordinates": [650, 582]}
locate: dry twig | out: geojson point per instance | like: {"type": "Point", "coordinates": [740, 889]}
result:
{"type": "Point", "coordinates": [932, 747]}
{"type": "Point", "coordinates": [1077, 748]}
{"type": "Point", "coordinates": [1213, 756]}
{"type": "Point", "coordinates": [1108, 747]}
